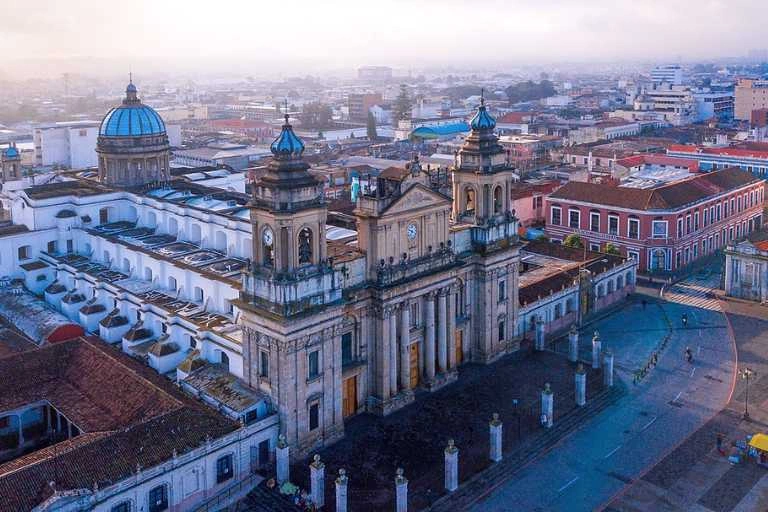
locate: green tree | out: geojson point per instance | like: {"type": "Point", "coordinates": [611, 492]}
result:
{"type": "Point", "coordinates": [612, 249]}
{"type": "Point", "coordinates": [403, 104]}
{"type": "Point", "coordinates": [574, 241]}
{"type": "Point", "coordinates": [371, 127]}
{"type": "Point", "coordinates": [529, 91]}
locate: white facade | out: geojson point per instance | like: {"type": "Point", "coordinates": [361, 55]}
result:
{"type": "Point", "coordinates": [670, 73]}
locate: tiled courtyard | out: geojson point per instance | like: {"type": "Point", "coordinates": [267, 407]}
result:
{"type": "Point", "coordinates": [414, 438]}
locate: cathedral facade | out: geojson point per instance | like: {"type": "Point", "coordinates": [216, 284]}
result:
{"type": "Point", "coordinates": [430, 283]}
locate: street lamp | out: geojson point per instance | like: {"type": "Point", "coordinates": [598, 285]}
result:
{"type": "Point", "coordinates": [746, 374]}
{"type": "Point", "coordinates": [517, 415]}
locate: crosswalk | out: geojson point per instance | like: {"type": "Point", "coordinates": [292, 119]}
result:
{"type": "Point", "coordinates": [696, 291]}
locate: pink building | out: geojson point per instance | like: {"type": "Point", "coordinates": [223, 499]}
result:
{"type": "Point", "coordinates": [663, 228]}
{"type": "Point", "coordinates": [528, 201]}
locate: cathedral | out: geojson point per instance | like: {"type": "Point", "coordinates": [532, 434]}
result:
{"type": "Point", "coordinates": [430, 283]}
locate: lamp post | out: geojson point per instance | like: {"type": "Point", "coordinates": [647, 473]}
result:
{"type": "Point", "coordinates": [746, 374]}
{"type": "Point", "coordinates": [517, 415]}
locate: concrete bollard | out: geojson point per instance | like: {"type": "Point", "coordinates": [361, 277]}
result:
{"type": "Point", "coordinates": [573, 344]}
{"type": "Point", "coordinates": [317, 481]}
{"type": "Point", "coordinates": [283, 460]}
{"type": "Point", "coordinates": [401, 492]}
{"type": "Point", "coordinates": [597, 346]}
{"type": "Point", "coordinates": [540, 339]}
{"type": "Point", "coordinates": [581, 386]}
{"type": "Point", "coordinates": [608, 370]}
{"type": "Point", "coordinates": [495, 427]}
{"type": "Point", "coordinates": [341, 491]}
{"type": "Point", "coordinates": [547, 406]}
{"type": "Point", "coordinates": [451, 467]}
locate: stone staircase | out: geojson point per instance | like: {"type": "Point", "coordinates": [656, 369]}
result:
{"type": "Point", "coordinates": [485, 482]}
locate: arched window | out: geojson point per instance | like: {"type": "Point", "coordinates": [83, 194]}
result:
{"type": "Point", "coordinates": [469, 198]}
{"type": "Point", "coordinates": [268, 247]}
{"type": "Point", "coordinates": [147, 274]}
{"type": "Point", "coordinates": [305, 246]}
{"type": "Point", "coordinates": [619, 282]}
{"type": "Point", "coordinates": [558, 311]}
{"type": "Point", "coordinates": [497, 200]}
{"type": "Point", "coordinates": [221, 241]}
{"type": "Point", "coordinates": [224, 359]}
{"type": "Point", "coordinates": [199, 294]}
{"type": "Point", "coordinates": [172, 283]}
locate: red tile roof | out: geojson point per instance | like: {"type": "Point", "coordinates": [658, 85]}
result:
{"type": "Point", "coordinates": [727, 151]}
{"type": "Point", "coordinates": [670, 196]}
{"type": "Point", "coordinates": [129, 415]}
{"type": "Point", "coordinates": [658, 159]}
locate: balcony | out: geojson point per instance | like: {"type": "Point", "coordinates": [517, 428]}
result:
{"type": "Point", "coordinates": [394, 273]}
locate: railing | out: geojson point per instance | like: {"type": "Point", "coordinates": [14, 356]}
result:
{"type": "Point", "coordinates": [395, 272]}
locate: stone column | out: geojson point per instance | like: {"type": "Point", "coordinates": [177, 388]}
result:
{"type": "Point", "coordinates": [581, 386]}
{"type": "Point", "coordinates": [540, 340]}
{"type": "Point", "coordinates": [382, 356]}
{"type": "Point", "coordinates": [401, 492]}
{"type": "Point", "coordinates": [317, 482]}
{"type": "Point", "coordinates": [451, 327]}
{"type": "Point", "coordinates": [495, 427]}
{"type": "Point", "coordinates": [341, 491]}
{"type": "Point", "coordinates": [608, 369]}
{"type": "Point", "coordinates": [451, 467]}
{"type": "Point", "coordinates": [405, 338]}
{"type": "Point", "coordinates": [282, 456]}
{"type": "Point", "coordinates": [547, 406]}
{"type": "Point", "coordinates": [573, 344]}
{"type": "Point", "coordinates": [393, 352]}
{"type": "Point", "coordinates": [442, 343]}
{"type": "Point", "coordinates": [429, 341]}
{"type": "Point", "coordinates": [596, 349]}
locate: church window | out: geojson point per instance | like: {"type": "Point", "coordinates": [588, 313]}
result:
{"type": "Point", "coordinates": [497, 200]}
{"type": "Point", "coordinates": [501, 331]}
{"type": "Point", "coordinates": [224, 470]}
{"type": "Point", "coordinates": [172, 283]}
{"type": "Point", "coordinates": [305, 246]}
{"type": "Point", "coordinates": [346, 348]}
{"type": "Point", "coordinates": [264, 366]}
{"type": "Point", "coordinates": [502, 290]}
{"type": "Point", "coordinates": [199, 294]}
{"type": "Point", "coordinates": [470, 200]}
{"type": "Point", "coordinates": [224, 359]}
{"type": "Point", "coordinates": [313, 363]}
{"type": "Point", "coordinates": [314, 416]}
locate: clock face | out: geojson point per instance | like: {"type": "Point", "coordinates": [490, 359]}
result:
{"type": "Point", "coordinates": [411, 231]}
{"type": "Point", "coordinates": [268, 237]}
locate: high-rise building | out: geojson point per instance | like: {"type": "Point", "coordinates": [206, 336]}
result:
{"type": "Point", "coordinates": [751, 94]}
{"type": "Point", "coordinates": [669, 73]}
{"type": "Point", "coordinates": [359, 104]}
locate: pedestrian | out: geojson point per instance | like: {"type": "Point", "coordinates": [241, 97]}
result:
{"type": "Point", "coordinates": [685, 319]}
{"type": "Point", "coordinates": [719, 442]}
{"type": "Point", "coordinates": [688, 354]}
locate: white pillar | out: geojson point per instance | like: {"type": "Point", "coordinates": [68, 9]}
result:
{"type": "Point", "coordinates": [451, 467]}
{"type": "Point", "coordinates": [429, 342]}
{"type": "Point", "coordinates": [547, 406]}
{"type": "Point", "coordinates": [405, 338]}
{"type": "Point", "coordinates": [442, 344]}
{"type": "Point", "coordinates": [608, 369]}
{"type": "Point", "coordinates": [282, 453]}
{"type": "Point", "coordinates": [401, 492]}
{"type": "Point", "coordinates": [495, 427]}
{"type": "Point", "coordinates": [341, 491]}
{"type": "Point", "coordinates": [539, 340]}
{"type": "Point", "coordinates": [317, 481]}
{"type": "Point", "coordinates": [393, 352]}
{"type": "Point", "coordinates": [573, 344]}
{"type": "Point", "coordinates": [581, 386]}
{"type": "Point", "coordinates": [596, 349]}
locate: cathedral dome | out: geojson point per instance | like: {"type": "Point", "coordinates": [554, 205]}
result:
{"type": "Point", "coordinates": [10, 152]}
{"type": "Point", "coordinates": [287, 144]}
{"type": "Point", "coordinates": [132, 118]}
{"type": "Point", "coordinates": [483, 120]}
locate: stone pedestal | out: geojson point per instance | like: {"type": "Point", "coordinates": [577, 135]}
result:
{"type": "Point", "coordinates": [317, 482]}
{"type": "Point", "coordinates": [573, 344]}
{"type": "Point", "coordinates": [547, 406]}
{"type": "Point", "coordinates": [608, 369]}
{"type": "Point", "coordinates": [540, 340]}
{"type": "Point", "coordinates": [495, 427]}
{"type": "Point", "coordinates": [451, 467]}
{"type": "Point", "coordinates": [401, 492]}
{"type": "Point", "coordinates": [282, 456]}
{"type": "Point", "coordinates": [597, 347]}
{"type": "Point", "coordinates": [581, 386]}
{"type": "Point", "coordinates": [341, 491]}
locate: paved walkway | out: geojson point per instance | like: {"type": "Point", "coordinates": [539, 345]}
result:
{"type": "Point", "coordinates": [614, 448]}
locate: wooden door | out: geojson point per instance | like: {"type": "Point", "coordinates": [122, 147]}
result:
{"type": "Point", "coordinates": [414, 353]}
{"type": "Point", "coordinates": [459, 347]}
{"type": "Point", "coordinates": [349, 396]}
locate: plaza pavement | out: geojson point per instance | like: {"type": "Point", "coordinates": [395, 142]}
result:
{"type": "Point", "coordinates": [616, 446]}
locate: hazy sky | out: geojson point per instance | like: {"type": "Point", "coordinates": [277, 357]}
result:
{"type": "Point", "coordinates": [401, 33]}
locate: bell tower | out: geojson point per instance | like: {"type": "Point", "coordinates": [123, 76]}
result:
{"type": "Point", "coordinates": [10, 163]}
{"type": "Point", "coordinates": [288, 211]}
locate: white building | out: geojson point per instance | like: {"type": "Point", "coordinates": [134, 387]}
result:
{"type": "Point", "coordinates": [669, 73]}
{"type": "Point", "coordinates": [746, 270]}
